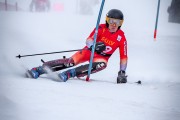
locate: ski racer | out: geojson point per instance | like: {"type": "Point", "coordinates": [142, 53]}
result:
{"type": "Point", "coordinates": [109, 38]}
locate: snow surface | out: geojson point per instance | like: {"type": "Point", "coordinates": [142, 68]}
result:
{"type": "Point", "coordinates": [154, 62]}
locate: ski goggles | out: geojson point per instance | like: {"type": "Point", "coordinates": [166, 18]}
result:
{"type": "Point", "coordinates": [114, 21]}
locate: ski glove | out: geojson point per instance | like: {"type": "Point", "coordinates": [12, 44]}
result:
{"type": "Point", "coordinates": [99, 47]}
{"type": "Point", "coordinates": [122, 78]}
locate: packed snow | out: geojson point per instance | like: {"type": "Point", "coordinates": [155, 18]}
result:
{"type": "Point", "coordinates": [154, 62]}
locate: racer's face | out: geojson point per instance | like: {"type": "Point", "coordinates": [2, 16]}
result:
{"type": "Point", "coordinates": [113, 24]}
{"type": "Point", "coordinates": [113, 27]}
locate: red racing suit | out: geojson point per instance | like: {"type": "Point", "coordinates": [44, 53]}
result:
{"type": "Point", "coordinates": [112, 42]}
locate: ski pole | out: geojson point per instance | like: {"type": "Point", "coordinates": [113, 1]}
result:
{"type": "Point", "coordinates": [95, 37]}
{"type": "Point", "coordinates": [19, 56]}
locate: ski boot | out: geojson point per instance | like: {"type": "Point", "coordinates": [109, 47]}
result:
{"type": "Point", "coordinates": [64, 76]}
{"type": "Point", "coordinates": [35, 72]}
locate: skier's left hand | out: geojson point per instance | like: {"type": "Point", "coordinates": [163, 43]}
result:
{"type": "Point", "coordinates": [122, 77]}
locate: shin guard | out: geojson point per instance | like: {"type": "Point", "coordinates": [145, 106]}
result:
{"type": "Point", "coordinates": [59, 64]}
{"type": "Point", "coordinates": [82, 70]}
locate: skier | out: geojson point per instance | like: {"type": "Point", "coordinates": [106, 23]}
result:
{"type": "Point", "coordinates": [109, 38]}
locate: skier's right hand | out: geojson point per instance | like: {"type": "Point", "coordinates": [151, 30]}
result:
{"type": "Point", "coordinates": [99, 47]}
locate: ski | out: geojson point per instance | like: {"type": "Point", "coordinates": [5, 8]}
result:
{"type": "Point", "coordinates": [53, 75]}
{"type": "Point", "coordinates": [137, 82]}
{"type": "Point", "coordinates": [28, 74]}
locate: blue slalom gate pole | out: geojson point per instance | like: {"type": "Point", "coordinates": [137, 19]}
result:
{"type": "Point", "coordinates": [94, 43]}
{"type": "Point", "coordinates": [157, 16]}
